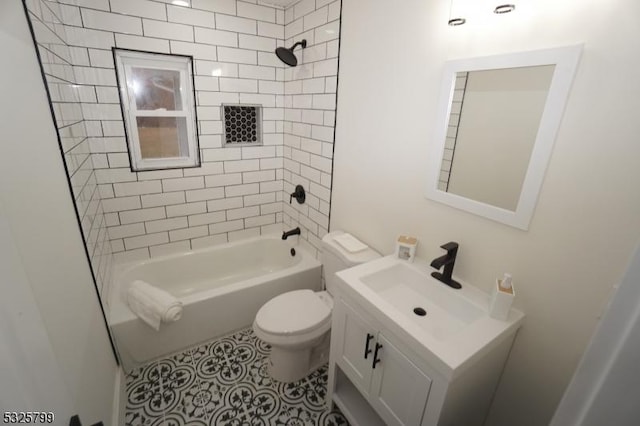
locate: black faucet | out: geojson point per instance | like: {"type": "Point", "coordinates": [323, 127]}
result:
{"type": "Point", "coordinates": [294, 231]}
{"type": "Point", "coordinates": [298, 194]}
{"type": "Point", "coordinates": [448, 260]}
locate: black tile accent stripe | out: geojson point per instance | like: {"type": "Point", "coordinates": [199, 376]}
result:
{"type": "Point", "coordinates": [66, 169]}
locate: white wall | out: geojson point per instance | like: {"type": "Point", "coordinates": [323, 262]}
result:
{"type": "Point", "coordinates": [30, 375]}
{"type": "Point", "coordinates": [38, 209]}
{"type": "Point", "coordinates": [604, 387]}
{"type": "Point", "coordinates": [586, 223]}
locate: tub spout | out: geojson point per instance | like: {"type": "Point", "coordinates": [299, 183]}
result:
{"type": "Point", "coordinates": [295, 231]}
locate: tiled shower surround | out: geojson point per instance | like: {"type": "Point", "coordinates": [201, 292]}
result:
{"type": "Point", "coordinates": [237, 192]}
{"type": "Point", "coordinates": [59, 59]}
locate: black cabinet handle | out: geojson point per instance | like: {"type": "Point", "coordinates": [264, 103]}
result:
{"type": "Point", "coordinates": [367, 351]}
{"type": "Point", "coordinates": [375, 355]}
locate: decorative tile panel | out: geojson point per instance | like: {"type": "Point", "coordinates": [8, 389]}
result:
{"type": "Point", "coordinates": [242, 124]}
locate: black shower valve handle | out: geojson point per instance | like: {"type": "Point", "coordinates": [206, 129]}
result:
{"type": "Point", "coordinates": [299, 194]}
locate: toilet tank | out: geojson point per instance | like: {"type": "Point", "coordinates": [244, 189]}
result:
{"type": "Point", "coordinates": [335, 258]}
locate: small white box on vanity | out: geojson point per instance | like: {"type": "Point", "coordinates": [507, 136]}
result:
{"type": "Point", "coordinates": [406, 248]}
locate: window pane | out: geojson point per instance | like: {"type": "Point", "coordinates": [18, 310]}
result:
{"type": "Point", "coordinates": [156, 89]}
{"type": "Point", "coordinates": [163, 137]}
{"type": "Point", "coordinates": [158, 109]}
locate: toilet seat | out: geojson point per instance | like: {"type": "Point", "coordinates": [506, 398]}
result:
{"type": "Point", "coordinates": [294, 313]}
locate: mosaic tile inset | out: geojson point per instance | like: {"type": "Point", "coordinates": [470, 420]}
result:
{"type": "Point", "coordinates": [242, 123]}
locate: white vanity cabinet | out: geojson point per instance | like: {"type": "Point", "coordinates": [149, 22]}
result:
{"type": "Point", "coordinates": [388, 380]}
{"type": "Point", "coordinates": [378, 377]}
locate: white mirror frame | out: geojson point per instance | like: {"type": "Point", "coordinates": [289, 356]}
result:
{"type": "Point", "coordinates": [565, 60]}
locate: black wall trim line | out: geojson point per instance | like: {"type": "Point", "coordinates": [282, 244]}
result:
{"type": "Point", "coordinates": [335, 118]}
{"type": "Point", "coordinates": [64, 164]}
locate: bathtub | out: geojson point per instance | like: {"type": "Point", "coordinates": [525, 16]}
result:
{"type": "Point", "coordinates": [221, 287]}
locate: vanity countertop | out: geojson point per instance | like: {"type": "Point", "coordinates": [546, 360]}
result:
{"type": "Point", "coordinates": [451, 328]}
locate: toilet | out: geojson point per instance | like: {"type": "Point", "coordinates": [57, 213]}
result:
{"type": "Point", "coordinates": [297, 324]}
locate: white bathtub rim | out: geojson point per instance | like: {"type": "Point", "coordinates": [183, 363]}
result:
{"type": "Point", "coordinates": [120, 312]}
{"type": "Point", "coordinates": [122, 267]}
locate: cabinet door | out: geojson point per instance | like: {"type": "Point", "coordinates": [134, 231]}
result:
{"type": "Point", "coordinates": [399, 389]}
{"type": "Point", "coordinates": [357, 341]}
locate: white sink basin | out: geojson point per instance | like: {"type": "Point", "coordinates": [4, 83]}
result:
{"type": "Point", "coordinates": [423, 300]}
{"type": "Point", "coordinates": [455, 326]}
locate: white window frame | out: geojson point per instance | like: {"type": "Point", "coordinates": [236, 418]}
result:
{"type": "Point", "coordinates": [125, 60]}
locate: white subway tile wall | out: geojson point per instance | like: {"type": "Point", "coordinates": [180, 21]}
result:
{"type": "Point", "coordinates": [452, 130]}
{"type": "Point", "coordinates": [237, 192]}
{"type": "Point", "coordinates": [71, 86]}
{"type": "Point", "coordinates": [309, 93]}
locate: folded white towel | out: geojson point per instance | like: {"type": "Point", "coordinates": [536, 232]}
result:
{"type": "Point", "coordinates": [153, 305]}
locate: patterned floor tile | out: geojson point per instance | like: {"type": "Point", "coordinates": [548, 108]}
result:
{"type": "Point", "coordinates": [225, 382]}
{"type": "Point", "coordinates": [194, 404]}
{"type": "Point", "coordinates": [175, 374]}
{"type": "Point", "coordinates": [176, 419]}
{"type": "Point", "coordinates": [309, 392]}
{"type": "Point", "coordinates": [226, 361]}
{"type": "Point", "coordinates": [145, 394]}
{"type": "Point", "coordinates": [258, 373]}
{"type": "Point", "coordinates": [332, 418]}
{"type": "Point", "coordinates": [245, 404]}
{"type": "Point", "coordinates": [138, 417]}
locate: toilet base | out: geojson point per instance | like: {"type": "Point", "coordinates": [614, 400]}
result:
{"type": "Point", "coordinates": [288, 366]}
{"type": "Point", "coordinates": [292, 365]}
{"type": "Point", "coordinates": [320, 353]}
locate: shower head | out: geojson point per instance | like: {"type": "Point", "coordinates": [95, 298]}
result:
{"type": "Point", "coordinates": [287, 56]}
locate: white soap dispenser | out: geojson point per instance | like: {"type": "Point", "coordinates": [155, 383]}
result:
{"type": "Point", "coordinates": [502, 298]}
{"type": "Point", "coordinates": [505, 283]}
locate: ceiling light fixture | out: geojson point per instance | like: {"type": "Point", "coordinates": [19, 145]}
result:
{"type": "Point", "coordinates": [504, 8]}
{"type": "Point", "coordinates": [455, 17]}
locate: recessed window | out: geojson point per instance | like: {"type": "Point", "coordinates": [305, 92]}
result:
{"type": "Point", "coordinates": [157, 98]}
{"type": "Point", "coordinates": [242, 124]}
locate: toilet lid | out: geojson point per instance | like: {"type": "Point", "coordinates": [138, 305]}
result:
{"type": "Point", "coordinates": [295, 312]}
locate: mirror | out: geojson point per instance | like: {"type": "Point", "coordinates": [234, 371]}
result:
{"type": "Point", "coordinates": [496, 112]}
{"type": "Point", "coordinates": [496, 124]}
